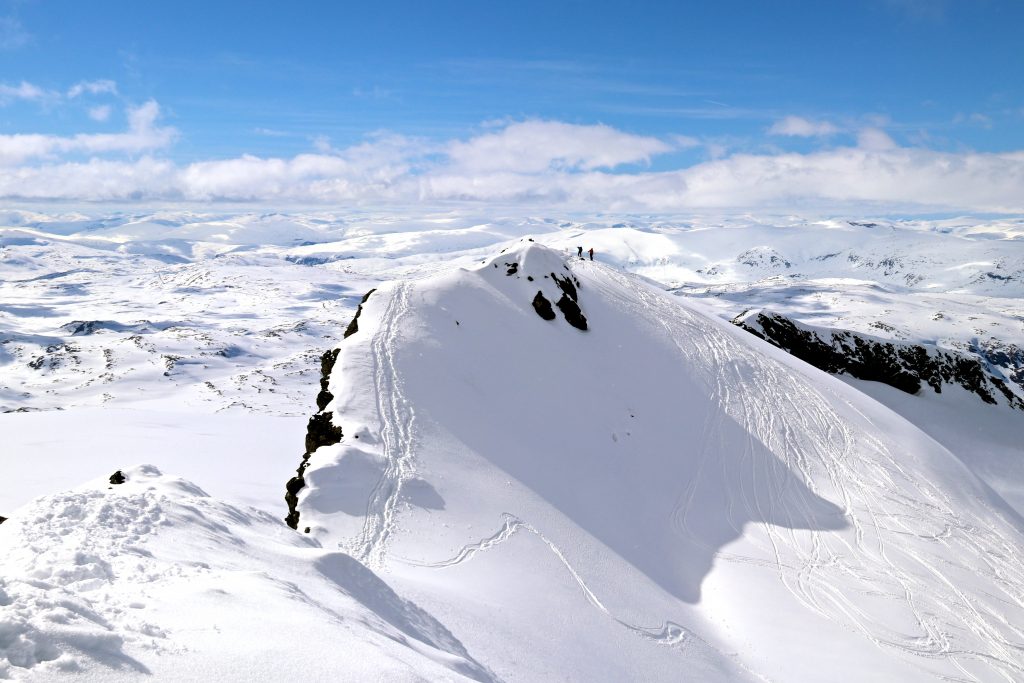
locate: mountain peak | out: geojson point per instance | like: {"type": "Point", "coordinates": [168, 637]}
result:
{"type": "Point", "coordinates": [540, 276]}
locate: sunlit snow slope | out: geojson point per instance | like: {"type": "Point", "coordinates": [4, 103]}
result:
{"type": "Point", "coordinates": [657, 497]}
{"type": "Point", "coordinates": [153, 579]}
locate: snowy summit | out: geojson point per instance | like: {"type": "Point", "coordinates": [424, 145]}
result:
{"type": "Point", "coordinates": [678, 484]}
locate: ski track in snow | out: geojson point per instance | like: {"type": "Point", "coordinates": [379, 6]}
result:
{"type": "Point", "coordinates": [396, 430]}
{"type": "Point", "coordinates": [883, 521]}
{"type": "Point", "coordinates": [866, 478]}
{"type": "Point", "coordinates": [669, 633]}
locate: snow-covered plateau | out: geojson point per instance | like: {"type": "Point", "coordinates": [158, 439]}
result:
{"type": "Point", "coordinates": [728, 448]}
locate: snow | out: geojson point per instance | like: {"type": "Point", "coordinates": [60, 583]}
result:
{"type": "Point", "coordinates": [49, 451]}
{"type": "Point", "coordinates": [661, 496]}
{"type": "Point", "coordinates": [154, 577]}
{"type": "Point", "coordinates": [657, 449]}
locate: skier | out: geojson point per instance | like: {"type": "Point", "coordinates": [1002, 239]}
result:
{"type": "Point", "coordinates": [591, 253]}
{"type": "Point", "coordinates": [579, 252]}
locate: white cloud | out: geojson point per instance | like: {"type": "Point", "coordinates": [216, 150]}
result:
{"type": "Point", "coordinates": [395, 170]}
{"type": "Point", "coordinates": [797, 126]}
{"type": "Point", "coordinates": [875, 139]}
{"type": "Point", "coordinates": [92, 88]}
{"type": "Point", "coordinates": [142, 135]}
{"type": "Point", "coordinates": [534, 146]}
{"type": "Point", "coordinates": [22, 91]}
{"type": "Point", "coordinates": [100, 113]}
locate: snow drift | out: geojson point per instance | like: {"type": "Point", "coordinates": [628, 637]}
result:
{"type": "Point", "coordinates": [659, 496]}
{"type": "Point", "coordinates": [150, 577]}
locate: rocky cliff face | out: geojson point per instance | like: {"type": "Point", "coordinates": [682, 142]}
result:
{"type": "Point", "coordinates": [320, 431]}
{"type": "Point", "coordinates": [907, 367]}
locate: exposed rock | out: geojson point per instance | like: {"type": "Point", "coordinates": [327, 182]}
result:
{"type": "Point", "coordinates": [117, 478]}
{"type": "Point", "coordinates": [326, 366]}
{"type": "Point", "coordinates": [567, 287]}
{"type": "Point", "coordinates": [513, 268]}
{"type": "Point", "coordinates": [2, 520]}
{"type": "Point", "coordinates": [353, 326]}
{"type": "Point", "coordinates": [572, 313]}
{"type": "Point", "coordinates": [904, 366]}
{"type": "Point", "coordinates": [1008, 358]}
{"type": "Point", "coordinates": [320, 431]}
{"type": "Point", "coordinates": [543, 306]}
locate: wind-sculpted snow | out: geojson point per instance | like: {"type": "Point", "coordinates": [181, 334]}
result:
{"type": "Point", "coordinates": [672, 470]}
{"type": "Point", "coordinates": [152, 578]}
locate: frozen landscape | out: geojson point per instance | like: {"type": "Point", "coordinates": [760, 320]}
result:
{"type": "Point", "coordinates": [522, 465]}
{"type": "Point", "coordinates": [519, 342]}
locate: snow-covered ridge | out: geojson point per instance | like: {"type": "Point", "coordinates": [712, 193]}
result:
{"type": "Point", "coordinates": [662, 487]}
{"type": "Point", "coordinates": [146, 575]}
{"type": "Point", "coordinates": [907, 367]}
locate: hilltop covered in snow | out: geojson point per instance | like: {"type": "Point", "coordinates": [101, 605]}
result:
{"type": "Point", "coordinates": [676, 486]}
{"type": "Point", "coordinates": [522, 465]}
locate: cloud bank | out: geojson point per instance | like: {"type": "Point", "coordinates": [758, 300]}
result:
{"type": "Point", "coordinates": [532, 162]}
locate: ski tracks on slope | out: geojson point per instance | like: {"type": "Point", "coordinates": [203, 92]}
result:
{"type": "Point", "coordinates": [396, 432]}
{"type": "Point", "coordinates": [397, 419]}
{"type": "Point", "coordinates": [668, 633]}
{"type": "Point", "coordinates": [885, 552]}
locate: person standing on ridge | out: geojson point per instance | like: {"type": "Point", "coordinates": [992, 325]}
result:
{"type": "Point", "coordinates": [591, 253]}
{"type": "Point", "coordinates": [579, 251]}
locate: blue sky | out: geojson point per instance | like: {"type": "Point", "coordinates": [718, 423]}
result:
{"type": "Point", "coordinates": [710, 80]}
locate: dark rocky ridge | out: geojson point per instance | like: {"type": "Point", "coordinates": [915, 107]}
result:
{"type": "Point", "coordinates": [326, 365]}
{"type": "Point", "coordinates": [907, 367]}
{"type": "Point", "coordinates": [1009, 358]}
{"type": "Point", "coordinates": [568, 302]}
{"type": "Point", "coordinates": [353, 326]}
{"type": "Point", "coordinates": [320, 431]}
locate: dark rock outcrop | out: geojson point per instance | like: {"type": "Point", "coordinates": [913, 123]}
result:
{"type": "Point", "coordinates": [320, 431]}
{"type": "Point", "coordinates": [2, 519]}
{"type": "Point", "coordinates": [1008, 358]}
{"type": "Point", "coordinates": [118, 478]}
{"type": "Point", "coordinates": [327, 362]}
{"type": "Point", "coordinates": [567, 286]}
{"type": "Point", "coordinates": [353, 326]}
{"type": "Point", "coordinates": [572, 313]}
{"type": "Point", "coordinates": [543, 306]}
{"type": "Point", "coordinates": [568, 304]}
{"type": "Point", "coordinates": [906, 367]}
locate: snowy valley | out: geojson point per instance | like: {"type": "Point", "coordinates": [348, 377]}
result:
{"type": "Point", "coordinates": [521, 465]}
